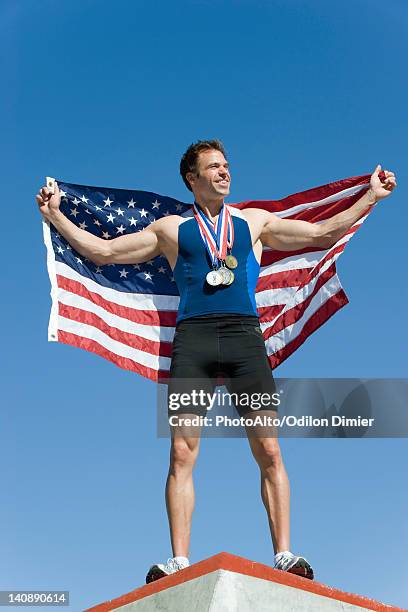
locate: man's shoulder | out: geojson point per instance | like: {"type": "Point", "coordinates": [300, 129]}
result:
{"type": "Point", "coordinates": [169, 222]}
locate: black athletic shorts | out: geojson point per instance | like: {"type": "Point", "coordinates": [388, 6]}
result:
{"type": "Point", "coordinates": [226, 345]}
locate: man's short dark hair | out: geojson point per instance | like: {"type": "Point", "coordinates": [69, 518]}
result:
{"type": "Point", "coordinates": [189, 160]}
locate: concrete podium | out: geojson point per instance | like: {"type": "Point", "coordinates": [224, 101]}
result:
{"type": "Point", "coordinates": [227, 583]}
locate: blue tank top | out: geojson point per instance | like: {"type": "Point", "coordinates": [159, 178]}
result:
{"type": "Point", "coordinates": [197, 297]}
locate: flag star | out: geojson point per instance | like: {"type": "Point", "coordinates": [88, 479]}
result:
{"type": "Point", "coordinates": [57, 235]}
{"type": "Point", "coordinates": [98, 270]}
{"type": "Point", "coordinates": [162, 270]}
{"type": "Point", "coordinates": [98, 208]}
{"type": "Point", "coordinates": [83, 225]}
{"type": "Point", "coordinates": [110, 265]}
{"type": "Point", "coordinates": [179, 207]}
{"type": "Point", "coordinates": [136, 267]}
{"type": "Point", "coordinates": [120, 229]}
{"type": "Point", "coordinates": [119, 211]}
{"type": "Point", "coordinates": [108, 202]}
{"type": "Point", "coordinates": [143, 212]}
{"type": "Point", "coordinates": [132, 221]}
{"type": "Point", "coordinates": [150, 262]}
{"type": "Point", "coordinates": [63, 193]}
{"type": "Point", "coordinates": [76, 201]}
{"type": "Point", "coordinates": [88, 211]}
{"type": "Point", "coordinates": [105, 235]}
{"type": "Point", "coordinates": [131, 203]}
{"type": "Point", "coordinates": [156, 204]}
{"type": "Point", "coordinates": [96, 222]}
{"type": "Point", "coordinates": [78, 260]}
{"type": "Point", "coordinates": [74, 212]}
{"type": "Point", "coordinates": [84, 199]}
{"type": "Point", "coordinates": [166, 214]}
{"type": "Point", "coordinates": [60, 250]}
{"type": "Point", "coordinates": [68, 248]}
{"type": "Point", "coordinates": [148, 276]}
{"type": "Point", "coordinates": [110, 217]}
{"type": "Point", "coordinates": [123, 273]}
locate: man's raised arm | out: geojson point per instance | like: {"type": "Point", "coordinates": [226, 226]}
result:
{"type": "Point", "coordinates": [290, 234]}
{"type": "Point", "coordinates": [130, 249]}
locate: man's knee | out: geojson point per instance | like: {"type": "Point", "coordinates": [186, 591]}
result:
{"type": "Point", "coordinates": [183, 452]}
{"type": "Point", "coordinates": [267, 452]}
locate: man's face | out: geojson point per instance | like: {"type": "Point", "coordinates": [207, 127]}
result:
{"type": "Point", "coordinates": [213, 180]}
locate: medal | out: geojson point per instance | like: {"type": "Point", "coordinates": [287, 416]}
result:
{"type": "Point", "coordinates": [226, 275]}
{"type": "Point", "coordinates": [231, 261]}
{"type": "Point", "coordinates": [214, 278]}
{"type": "Point", "coordinates": [232, 277]}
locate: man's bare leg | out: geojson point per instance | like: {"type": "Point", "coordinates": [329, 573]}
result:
{"type": "Point", "coordinates": [180, 487]}
{"type": "Point", "coordinates": [275, 488]}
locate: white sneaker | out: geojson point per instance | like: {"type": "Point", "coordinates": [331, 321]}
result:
{"type": "Point", "coordinates": [160, 570]}
{"type": "Point", "coordinates": [288, 562]}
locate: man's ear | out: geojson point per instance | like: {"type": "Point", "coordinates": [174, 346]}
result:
{"type": "Point", "coordinates": [190, 177]}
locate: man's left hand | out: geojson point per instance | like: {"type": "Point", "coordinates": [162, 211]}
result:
{"type": "Point", "coordinates": [382, 190]}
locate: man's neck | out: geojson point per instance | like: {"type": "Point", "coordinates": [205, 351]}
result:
{"type": "Point", "coordinates": [210, 208]}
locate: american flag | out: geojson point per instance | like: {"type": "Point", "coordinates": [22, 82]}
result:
{"type": "Point", "coordinates": [127, 313]}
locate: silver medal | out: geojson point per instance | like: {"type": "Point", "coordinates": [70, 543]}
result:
{"type": "Point", "coordinates": [226, 276]}
{"type": "Point", "coordinates": [214, 278]}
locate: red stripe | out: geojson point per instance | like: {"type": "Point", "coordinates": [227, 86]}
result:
{"type": "Point", "coordinates": [167, 318]}
{"type": "Point", "coordinates": [327, 310]}
{"type": "Point", "coordinates": [269, 313]}
{"type": "Point", "coordinates": [153, 347]}
{"type": "Point", "coordinates": [326, 211]}
{"type": "Point", "coordinates": [286, 278]}
{"type": "Point", "coordinates": [123, 362]}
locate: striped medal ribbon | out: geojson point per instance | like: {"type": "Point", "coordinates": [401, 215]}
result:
{"type": "Point", "coordinates": [217, 238]}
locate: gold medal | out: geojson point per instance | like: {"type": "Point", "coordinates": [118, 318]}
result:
{"type": "Point", "coordinates": [232, 276]}
{"type": "Point", "coordinates": [231, 261]}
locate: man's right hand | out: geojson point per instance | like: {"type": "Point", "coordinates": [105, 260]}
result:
{"type": "Point", "coordinates": [48, 203]}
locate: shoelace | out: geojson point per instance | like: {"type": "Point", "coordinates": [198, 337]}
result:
{"type": "Point", "coordinates": [172, 564]}
{"type": "Point", "coordinates": [285, 561]}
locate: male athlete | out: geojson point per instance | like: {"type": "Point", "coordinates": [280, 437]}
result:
{"type": "Point", "coordinates": [216, 267]}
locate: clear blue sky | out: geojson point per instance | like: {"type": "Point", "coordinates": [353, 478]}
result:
{"type": "Point", "coordinates": [302, 93]}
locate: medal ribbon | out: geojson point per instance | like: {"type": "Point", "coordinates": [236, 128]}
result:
{"type": "Point", "coordinates": [216, 236]}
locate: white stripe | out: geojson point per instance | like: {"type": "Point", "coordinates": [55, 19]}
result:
{"type": "Point", "coordinates": [130, 300]}
{"type": "Point", "coordinates": [288, 334]}
{"type": "Point", "coordinates": [150, 332]}
{"type": "Point", "coordinates": [346, 193]}
{"type": "Point", "coordinates": [83, 330]}
{"type": "Point", "coordinates": [53, 320]}
{"type": "Point", "coordinates": [304, 260]}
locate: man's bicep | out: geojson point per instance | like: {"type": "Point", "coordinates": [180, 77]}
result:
{"type": "Point", "coordinates": [288, 234]}
{"type": "Point", "coordinates": [135, 248]}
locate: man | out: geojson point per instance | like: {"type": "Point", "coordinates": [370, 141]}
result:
{"type": "Point", "coordinates": [214, 252]}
